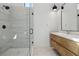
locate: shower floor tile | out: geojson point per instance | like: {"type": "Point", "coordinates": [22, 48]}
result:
{"type": "Point", "coordinates": [16, 52]}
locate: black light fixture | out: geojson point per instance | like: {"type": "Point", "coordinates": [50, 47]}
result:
{"type": "Point", "coordinates": [54, 7]}
{"type": "Point", "coordinates": [62, 7]}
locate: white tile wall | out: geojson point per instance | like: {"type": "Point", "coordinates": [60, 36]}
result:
{"type": "Point", "coordinates": [45, 21]}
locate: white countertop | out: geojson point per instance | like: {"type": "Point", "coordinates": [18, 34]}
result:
{"type": "Point", "coordinates": [73, 37]}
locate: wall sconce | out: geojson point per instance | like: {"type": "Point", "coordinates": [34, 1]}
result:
{"type": "Point", "coordinates": [57, 6]}
{"type": "Point", "coordinates": [62, 7]}
{"type": "Point", "coordinates": [54, 8]}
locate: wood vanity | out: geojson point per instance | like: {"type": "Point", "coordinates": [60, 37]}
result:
{"type": "Point", "coordinates": [64, 46]}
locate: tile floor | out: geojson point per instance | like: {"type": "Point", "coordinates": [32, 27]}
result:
{"type": "Point", "coordinates": [36, 51]}
{"type": "Point", "coordinates": [16, 52]}
{"type": "Point", "coordinates": [41, 51]}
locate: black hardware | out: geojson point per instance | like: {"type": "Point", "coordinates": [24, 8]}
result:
{"type": "Point", "coordinates": [3, 26]}
{"type": "Point", "coordinates": [31, 30]}
{"type": "Point", "coordinates": [54, 7]}
{"type": "Point", "coordinates": [6, 7]}
{"type": "Point", "coordinates": [62, 7]}
{"type": "Point", "coordinates": [32, 42]}
{"type": "Point", "coordinates": [32, 13]}
{"type": "Point", "coordinates": [78, 15]}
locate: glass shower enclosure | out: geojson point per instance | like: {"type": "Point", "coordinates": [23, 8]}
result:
{"type": "Point", "coordinates": [14, 30]}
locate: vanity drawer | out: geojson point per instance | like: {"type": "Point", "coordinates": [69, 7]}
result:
{"type": "Point", "coordinates": [62, 50]}
{"type": "Point", "coordinates": [67, 43]}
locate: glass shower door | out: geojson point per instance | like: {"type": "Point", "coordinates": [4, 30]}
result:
{"type": "Point", "coordinates": [14, 30]}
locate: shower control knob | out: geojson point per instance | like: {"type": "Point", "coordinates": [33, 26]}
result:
{"type": "Point", "coordinates": [3, 26]}
{"type": "Point", "coordinates": [6, 7]}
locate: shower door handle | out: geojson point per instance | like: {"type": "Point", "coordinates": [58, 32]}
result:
{"type": "Point", "coordinates": [31, 30]}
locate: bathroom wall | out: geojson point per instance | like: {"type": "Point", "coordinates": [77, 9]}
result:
{"type": "Point", "coordinates": [45, 21]}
